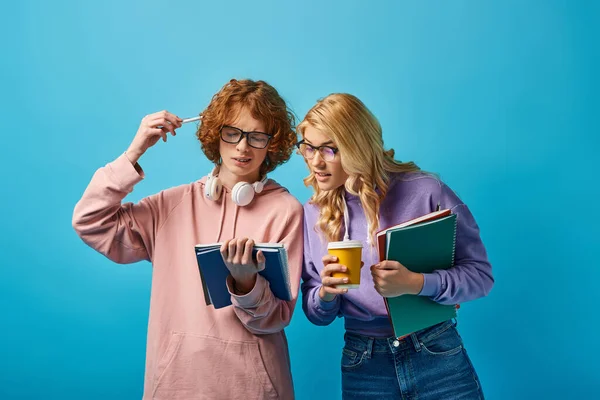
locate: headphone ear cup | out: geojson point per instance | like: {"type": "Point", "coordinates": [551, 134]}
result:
{"type": "Point", "coordinates": [216, 189]}
{"type": "Point", "coordinates": [258, 186]}
{"type": "Point", "coordinates": [213, 188]}
{"type": "Point", "coordinates": [207, 186]}
{"type": "Point", "coordinates": [242, 193]}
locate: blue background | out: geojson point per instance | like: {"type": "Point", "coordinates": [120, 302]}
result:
{"type": "Point", "coordinates": [499, 98]}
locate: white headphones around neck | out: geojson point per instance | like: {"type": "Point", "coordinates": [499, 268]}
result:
{"type": "Point", "coordinates": [242, 193]}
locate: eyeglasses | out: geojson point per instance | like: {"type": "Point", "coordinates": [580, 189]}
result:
{"type": "Point", "coordinates": [232, 135]}
{"type": "Point", "coordinates": [308, 151]}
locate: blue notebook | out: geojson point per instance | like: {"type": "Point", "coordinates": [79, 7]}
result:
{"type": "Point", "coordinates": [213, 272]}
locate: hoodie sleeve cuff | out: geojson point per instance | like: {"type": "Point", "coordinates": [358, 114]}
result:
{"type": "Point", "coordinates": [325, 306]}
{"type": "Point", "coordinates": [431, 285]}
{"type": "Point", "coordinates": [250, 299]}
{"type": "Point", "coordinates": [125, 173]}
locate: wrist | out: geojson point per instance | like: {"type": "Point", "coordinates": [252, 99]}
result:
{"type": "Point", "coordinates": [244, 285]}
{"type": "Point", "coordinates": [326, 297]}
{"type": "Point", "coordinates": [417, 282]}
{"type": "Point", "coordinates": [133, 156]}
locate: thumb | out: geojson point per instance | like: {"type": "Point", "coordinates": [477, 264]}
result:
{"type": "Point", "coordinates": [387, 264]}
{"type": "Point", "coordinates": [260, 261]}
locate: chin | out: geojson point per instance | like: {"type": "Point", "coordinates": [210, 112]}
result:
{"type": "Point", "coordinates": [244, 172]}
{"type": "Point", "coordinates": [325, 186]}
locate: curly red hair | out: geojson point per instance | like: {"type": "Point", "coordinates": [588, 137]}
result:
{"type": "Point", "coordinates": [265, 104]}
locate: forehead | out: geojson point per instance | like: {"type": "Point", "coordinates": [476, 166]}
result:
{"type": "Point", "coordinates": [316, 136]}
{"type": "Point", "coordinates": [242, 118]}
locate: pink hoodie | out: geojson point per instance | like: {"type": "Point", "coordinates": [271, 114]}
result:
{"type": "Point", "coordinates": [194, 351]}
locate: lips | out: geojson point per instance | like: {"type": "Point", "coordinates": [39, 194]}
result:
{"type": "Point", "coordinates": [241, 162]}
{"type": "Point", "coordinates": [321, 176]}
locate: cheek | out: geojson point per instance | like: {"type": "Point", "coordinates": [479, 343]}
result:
{"type": "Point", "coordinates": [260, 156]}
{"type": "Point", "coordinates": [222, 149]}
{"type": "Point", "coordinates": [340, 174]}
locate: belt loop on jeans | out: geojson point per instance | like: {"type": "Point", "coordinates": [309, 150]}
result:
{"type": "Point", "coordinates": [370, 345]}
{"type": "Point", "coordinates": [415, 341]}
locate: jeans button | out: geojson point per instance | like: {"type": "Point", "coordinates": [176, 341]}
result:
{"type": "Point", "coordinates": [396, 343]}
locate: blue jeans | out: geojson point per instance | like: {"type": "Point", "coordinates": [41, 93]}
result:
{"type": "Point", "coordinates": [427, 365]}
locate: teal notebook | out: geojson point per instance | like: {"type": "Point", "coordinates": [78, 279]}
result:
{"type": "Point", "coordinates": [423, 247]}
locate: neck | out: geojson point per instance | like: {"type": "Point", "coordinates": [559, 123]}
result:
{"type": "Point", "coordinates": [229, 179]}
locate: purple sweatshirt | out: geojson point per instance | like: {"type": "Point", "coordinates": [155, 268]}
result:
{"type": "Point", "coordinates": [409, 196]}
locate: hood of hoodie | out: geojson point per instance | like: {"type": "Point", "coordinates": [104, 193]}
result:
{"type": "Point", "coordinates": [228, 207]}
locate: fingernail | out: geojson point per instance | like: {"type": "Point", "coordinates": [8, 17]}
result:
{"type": "Point", "coordinates": [345, 290]}
{"type": "Point", "coordinates": [345, 280]}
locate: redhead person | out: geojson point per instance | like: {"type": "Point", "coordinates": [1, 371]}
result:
{"type": "Point", "coordinates": [350, 170]}
{"type": "Point", "coordinates": [195, 351]}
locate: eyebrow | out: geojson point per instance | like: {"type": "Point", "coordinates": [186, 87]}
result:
{"type": "Point", "coordinates": [329, 142]}
{"type": "Point", "coordinates": [254, 130]}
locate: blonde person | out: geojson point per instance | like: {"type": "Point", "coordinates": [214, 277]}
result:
{"type": "Point", "coordinates": [195, 351]}
{"type": "Point", "coordinates": [350, 170]}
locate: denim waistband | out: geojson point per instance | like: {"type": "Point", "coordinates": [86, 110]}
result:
{"type": "Point", "coordinates": [382, 345]}
{"type": "Point", "coordinates": [377, 327]}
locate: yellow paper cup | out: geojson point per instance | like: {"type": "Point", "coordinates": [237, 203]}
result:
{"type": "Point", "coordinates": [349, 253]}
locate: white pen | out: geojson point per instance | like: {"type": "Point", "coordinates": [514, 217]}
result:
{"type": "Point", "coordinates": [186, 120]}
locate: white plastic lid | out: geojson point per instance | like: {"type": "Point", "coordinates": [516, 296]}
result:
{"type": "Point", "coordinates": [346, 244]}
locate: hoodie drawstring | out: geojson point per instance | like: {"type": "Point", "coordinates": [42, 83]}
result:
{"type": "Point", "coordinates": [221, 220]}
{"type": "Point", "coordinates": [347, 223]}
{"type": "Point", "coordinates": [346, 220]}
{"type": "Point", "coordinates": [235, 215]}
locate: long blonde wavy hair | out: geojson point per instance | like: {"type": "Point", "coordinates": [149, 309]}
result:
{"type": "Point", "coordinates": [357, 134]}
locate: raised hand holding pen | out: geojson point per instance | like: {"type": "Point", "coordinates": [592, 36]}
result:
{"type": "Point", "coordinates": [152, 128]}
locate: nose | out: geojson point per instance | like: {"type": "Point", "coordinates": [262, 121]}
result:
{"type": "Point", "coordinates": [317, 160]}
{"type": "Point", "coordinates": [243, 145]}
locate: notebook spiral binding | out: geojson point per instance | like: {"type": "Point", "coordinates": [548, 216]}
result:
{"type": "Point", "coordinates": [454, 240]}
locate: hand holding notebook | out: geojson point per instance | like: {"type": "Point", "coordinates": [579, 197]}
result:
{"type": "Point", "coordinates": [242, 262]}
{"type": "Point", "coordinates": [214, 272]}
{"type": "Point", "coordinates": [422, 245]}
{"type": "Point", "coordinates": [393, 279]}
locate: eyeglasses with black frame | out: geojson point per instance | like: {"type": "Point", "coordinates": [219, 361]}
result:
{"type": "Point", "coordinates": [308, 151]}
{"type": "Point", "coordinates": [233, 135]}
